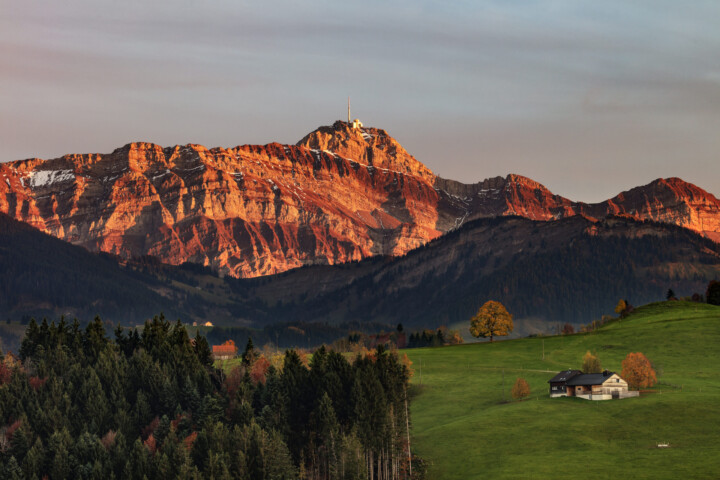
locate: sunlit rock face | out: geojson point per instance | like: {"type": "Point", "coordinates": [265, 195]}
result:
{"type": "Point", "coordinates": [340, 194]}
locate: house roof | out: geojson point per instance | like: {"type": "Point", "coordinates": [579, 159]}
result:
{"type": "Point", "coordinates": [564, 376]}
{"type": "Point", "coordinates": [224, 350]}
{"type": "Point", "coordinates": [590, 378]}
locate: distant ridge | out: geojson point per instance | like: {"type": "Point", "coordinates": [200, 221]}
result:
{"type": "Point", "coordinates": [45, 277]}
{"type": "Point", "coordinates": [546, 273]}
{"type": "Point", "coordinates": [341, 194]}
{"type": "Point", "coordinates": [571, 270]}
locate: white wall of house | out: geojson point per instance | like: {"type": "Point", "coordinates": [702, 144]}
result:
{"type": "Point", "coordinates": [614, 384]}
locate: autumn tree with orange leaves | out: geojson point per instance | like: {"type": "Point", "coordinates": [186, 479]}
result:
{"type": "Point", "coordinates": [521, 389]}
{"type": "Point", "coordinates": [638, 371]}
{"type": "Point", "coordinates": [259, 370]}
{"type": "Point", "coordinates": [491, 320]}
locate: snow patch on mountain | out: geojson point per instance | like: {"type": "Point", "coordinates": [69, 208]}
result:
{"type": "Point", "coordinates": [45, 178]}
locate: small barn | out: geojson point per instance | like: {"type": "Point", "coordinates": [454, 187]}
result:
{"type": "Point", "coordinates": [590, 386]}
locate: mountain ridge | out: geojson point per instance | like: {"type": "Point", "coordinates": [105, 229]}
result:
{"type": "Point", "coordinates": [340, 194]}
{"type": "Point", "coordinates": [572, 270]}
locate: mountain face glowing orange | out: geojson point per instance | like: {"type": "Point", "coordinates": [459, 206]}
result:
{"type": "Point", "coordinates": [340, 194]}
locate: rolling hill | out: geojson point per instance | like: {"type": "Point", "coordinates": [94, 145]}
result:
{"type": "Point", "coordinates": [464, 425]}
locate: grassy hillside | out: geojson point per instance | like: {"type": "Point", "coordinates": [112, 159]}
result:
{"type": "Point", "coordinates": [464, 429]}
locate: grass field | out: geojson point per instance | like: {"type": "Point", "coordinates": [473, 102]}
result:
{"type": "Point", "coordinates": [465, 430]}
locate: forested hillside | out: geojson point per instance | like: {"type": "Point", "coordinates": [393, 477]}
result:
{"type": "Point", "coordinates": [151, 405]}
{"type": "Point", "coordinates": [570, 270]}
{"type": "Point", "coordinates": [42, 275]}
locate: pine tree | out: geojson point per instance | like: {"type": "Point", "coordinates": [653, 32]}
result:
{"type": "Point", "coordinates": [94, 340]}
{"type": "Point", "coordinates": [20, 443]}
{"type": "Point", "coordinates": [12, 470]}
{"type": "Point", "coordinates": [34, 460]}
{"type": "Point", "coordinates": [202, 350]}
{"type": "Point", "coordinates": [59, 451]}
{"type": "Point", "coordinates": [29, 342]}
{"type": "Point", "coordinates": [248, 356]}
{"type": "Point", "coordinates": [326, 433]}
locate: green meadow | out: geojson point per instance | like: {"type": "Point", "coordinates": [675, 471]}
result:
{"type": "Point", "coordinates": [466, 425]}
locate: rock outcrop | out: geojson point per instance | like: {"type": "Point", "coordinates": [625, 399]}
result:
{"type": "Point", "coordinates": [339, 195]}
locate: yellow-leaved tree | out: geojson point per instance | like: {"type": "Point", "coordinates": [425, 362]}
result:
{"type": "Point", "coordinates": [591, 363]}
{"type": "Point", "coordinates": [491, 320]}
{"type": "Point", "coordinates": [622, 305]}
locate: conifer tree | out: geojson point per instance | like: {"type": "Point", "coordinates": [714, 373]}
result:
{"type": "Point", "coordinates": [248, 356]}
{"type": "Point", "coordinates": [11, 470]}
{"type": "Point", "coordinates": [202, 350]}
{"type": "Point", "coordinates": [34, 460]}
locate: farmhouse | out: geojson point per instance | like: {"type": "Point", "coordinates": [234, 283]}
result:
{"type": "Point", "coordinates": [590, 386]}
{"type": "Point", "coordinates": [558, 384]}
{"type": "Point", "coordinates": [226, 351]}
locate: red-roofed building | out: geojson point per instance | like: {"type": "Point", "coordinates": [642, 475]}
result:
{"type": "Point", "coordinates": [226, 351]}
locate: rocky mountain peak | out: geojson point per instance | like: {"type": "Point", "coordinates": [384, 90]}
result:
{"type": "Point", "coordinates": [367, 145]}
{"type": "Point", "coordinates": [514, 178]}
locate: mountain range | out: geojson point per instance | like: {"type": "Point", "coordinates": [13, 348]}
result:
{"type": "Point", "coordinates": [221, 234]}
{"type": "Point", "coordinates": [341, 194]}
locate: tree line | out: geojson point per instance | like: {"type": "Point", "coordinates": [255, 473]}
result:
{"type": "Point", "coordinates": [150, 404]}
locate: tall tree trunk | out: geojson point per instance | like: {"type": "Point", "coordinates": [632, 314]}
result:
{"type": "Point", "coordinates": [407, 430]}
{"type": "Point", "coordinates": [372, 466]}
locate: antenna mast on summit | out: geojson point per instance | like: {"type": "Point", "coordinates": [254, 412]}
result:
{"type": "Point", "coordinates": [349, 109]}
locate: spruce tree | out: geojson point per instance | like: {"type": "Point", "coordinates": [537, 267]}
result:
{"type": "Point", "coordinates": [11, 470]}
{"type": "Point", "coordinates": [202, 350]}
{"type": "Point", "coordinates": [248, 356]}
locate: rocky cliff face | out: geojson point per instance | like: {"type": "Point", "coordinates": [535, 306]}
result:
{"type": "Point", "coordinates": [339, 195]}
{"type": "Point", "coordinates": [246, 211]}
{"type": "Point", "coordinates": [668, 200]}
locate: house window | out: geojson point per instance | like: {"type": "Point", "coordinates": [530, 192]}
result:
{"type": "Point", "coordinates": [617, 380]}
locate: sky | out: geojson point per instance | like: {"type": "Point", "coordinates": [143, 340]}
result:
{"type": "Point", "coordinates": [587, 97]}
